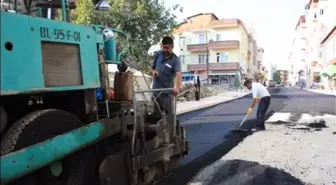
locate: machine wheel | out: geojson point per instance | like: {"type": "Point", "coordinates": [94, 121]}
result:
{"type": "Point", "coordinates": [3, 119]}
{"type": "Point", "coordinates": [76, 169]}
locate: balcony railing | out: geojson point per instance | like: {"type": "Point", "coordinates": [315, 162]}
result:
{"type": "Point", "coordinates": [229, 44]}
{"type": "Point", "coordinates": [227, 66]}
{"type": "Point", "coordinates": [197, 47]}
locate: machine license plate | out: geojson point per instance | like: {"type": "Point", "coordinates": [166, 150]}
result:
{"type": "Point", "coordinates": [60, 34]}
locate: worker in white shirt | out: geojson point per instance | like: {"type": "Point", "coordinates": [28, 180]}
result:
{"type": "Point", "coordinates": [260, 94]}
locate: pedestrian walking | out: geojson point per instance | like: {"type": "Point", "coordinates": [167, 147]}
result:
{"type": "Point", "coordinates": [260, 94]}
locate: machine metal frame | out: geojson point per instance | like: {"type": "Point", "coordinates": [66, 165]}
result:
{"type": "Point", "coordinates": [45, 62]}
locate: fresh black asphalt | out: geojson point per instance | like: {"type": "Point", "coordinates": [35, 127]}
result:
{"type": "Point", "coordinates": [208, 131]}
{"type": "Point", "coordinates": [206, 128]}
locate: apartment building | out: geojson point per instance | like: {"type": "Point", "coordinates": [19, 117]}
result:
{"type": "Point", "coordinates": [328, 45]}
{"type": "Point", "coordinates": [306, 54]}
{"type": "Point", "coordinates": [315, 15]}
{"type": "Point", "coordinates": [252, 57]}
{"type": "Point", "coordinates": [224, 42]}
{"type": "Point", "coordinates": [298, 55]}
{"type": "Point", "coordinates": [260, 68]}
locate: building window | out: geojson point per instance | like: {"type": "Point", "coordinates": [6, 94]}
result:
{"type": "Point", "coordinates": [202, 59]}
{"type": "Point", "coordinates": [182, 59]}
{"type": "Point", "coordinates": [222, 57]}
{"type": "Point", "coordinates": [182, 41]}
{"type": "Point", "coordinates": [218, 37]}
{"type": "Point", "coordinates": [202, 39]}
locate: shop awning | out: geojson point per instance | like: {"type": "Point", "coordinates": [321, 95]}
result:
{"type": "Point", "coordinates": [329, 71]}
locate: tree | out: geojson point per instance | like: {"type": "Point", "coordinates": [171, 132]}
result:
{"type": "Point", "coordinates": [277, 77]}
{"type": "Point", "coordinates": [83, 13]}
{"type": "Point", "coordinates": [144, 21]}
{"type": "Point", "coordinates": [318, 79]}
{"type": "Point", "coordinates": [236, 82]}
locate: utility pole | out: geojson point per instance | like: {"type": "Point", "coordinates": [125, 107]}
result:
{"type": "Point", "coordinates": [207, 55]}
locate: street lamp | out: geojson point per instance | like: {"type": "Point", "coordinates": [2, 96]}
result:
{"type": "Point", "coordinates": [103, 5]}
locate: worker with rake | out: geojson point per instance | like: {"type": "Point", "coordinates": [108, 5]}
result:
{"type": "Point", "coordinates": [260, 94]}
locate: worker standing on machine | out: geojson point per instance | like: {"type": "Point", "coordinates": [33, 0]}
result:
{"type": "Point", "coordinates": [260, 94]}
{"type": "Point", "coordinates": [166, 66]}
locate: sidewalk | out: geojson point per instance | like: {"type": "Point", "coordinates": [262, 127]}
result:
{"type": "Point", "coordinates": [299, 153]}
{"type": "Point", "coordinates": [320, 91]}
{"type": "Point", "coordinates": [323, 91]}
{"type": "Point", "coordinates": [184, 107]}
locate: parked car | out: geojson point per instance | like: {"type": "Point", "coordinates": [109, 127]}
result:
{"type": "Point", "coordinates": [272, 84]}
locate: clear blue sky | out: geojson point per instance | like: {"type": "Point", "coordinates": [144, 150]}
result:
{"type": "Point", "coordinates": [273, 20]}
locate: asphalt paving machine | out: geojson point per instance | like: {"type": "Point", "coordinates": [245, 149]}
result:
{"type": "Point", "coordinates": [55, 130]}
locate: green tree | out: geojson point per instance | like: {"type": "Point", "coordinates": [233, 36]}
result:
{"type": "Point", "coordinates": [318, 79]}
{"type": "Point", "coordinates": [277, 77]}
{"type": "Point", "coordinates": [236, 82]}
{"type": "Point", "coordinates": [145, 22]}
{"type": "Point", "coordinates": [83, 14]}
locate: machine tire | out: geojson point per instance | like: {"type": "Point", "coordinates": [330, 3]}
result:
{"type": "Point", "coordinates": [42, 125]}
{"type": "Point", "coordinates": [3, 119]}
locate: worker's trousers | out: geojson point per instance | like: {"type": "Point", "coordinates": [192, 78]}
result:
{"type": "Point", "coordinates": [165, 102]}
{"type": "Point", "coordinates": [261, 112]}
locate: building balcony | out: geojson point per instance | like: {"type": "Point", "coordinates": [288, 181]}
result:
{"type": "Point", "coordinates": [228, 44]}
{"type": "Point", "coordinates": [227, 66]}
{"type": "Point", "coordinates": [197, 47]}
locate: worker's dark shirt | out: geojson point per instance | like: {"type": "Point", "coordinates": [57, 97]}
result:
{"type": "Point", "coordinates": [167, 67]}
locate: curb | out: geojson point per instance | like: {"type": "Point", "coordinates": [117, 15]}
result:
{"type": "Point", "coordinates": [209, 105]}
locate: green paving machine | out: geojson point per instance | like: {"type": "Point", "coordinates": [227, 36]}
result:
{"type": "Point", "coordinates": [58, 125]}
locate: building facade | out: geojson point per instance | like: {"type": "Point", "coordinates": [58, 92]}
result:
{"type": "Point", "coordinates": [252, 57]}
{"type": "Point", "coordinates": [298, 56]}
{"type": "Point", "coordinates": [260, 68]}
{"type": "Point", "coordinates": [328, 45]}
{"type": "Point", "coordinates": [221, 42]}
{"type": "Point", "coordinates": [306, 56]}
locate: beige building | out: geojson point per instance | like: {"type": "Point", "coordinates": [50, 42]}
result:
{"type": "Point", "coordinates": [224, 42]}
{"type": "Point", "coordinates": [328, 47]}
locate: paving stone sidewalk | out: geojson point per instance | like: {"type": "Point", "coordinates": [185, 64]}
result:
{"type": "Point", "coordinates": [184, 107]}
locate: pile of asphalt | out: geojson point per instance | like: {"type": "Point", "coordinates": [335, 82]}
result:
{"type": "Point", "coordinates": [317, 124]}
{"type": "Point", "coordinates": [240, 172]}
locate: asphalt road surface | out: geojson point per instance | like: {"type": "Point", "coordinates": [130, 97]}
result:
{"type": "Point", "coordinates": [209, 129]}
{"type": "Point", "coordinates": [206, 128]}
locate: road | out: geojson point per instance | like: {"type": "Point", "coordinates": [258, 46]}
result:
{"type": "Point", "coordinates": [209, 133]}
{"type": "Point", "coordinates": [206, 128]}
